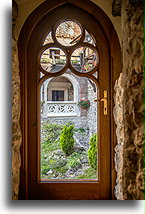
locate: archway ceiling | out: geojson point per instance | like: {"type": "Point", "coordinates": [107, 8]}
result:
{"type": "Point", "coordinates": [27, 6]}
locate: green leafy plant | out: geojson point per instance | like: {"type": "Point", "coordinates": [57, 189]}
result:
{"type": "Point", "coordinates": [61, 61]}
{"type": "Point", "coordinates": [54, 163]}
{"type": "Point", "coordinates": [89, 173]}
{"type": "Point", "coordinates": [42, 103]}
{"type": "Point", "coordinates": [67, 139]}
{"type": "Point", "coordinates": [49, 144]}
{"type": "Point", "coordinates": [74, 163]}
{"type": "Point", "coordinates": [79, 130]}
{"type": "Point", "coordinates": [92, 152]}
{"type": "Point", "coordinates": [74, 160]}
{"type": "Point", "coordinates": [75, 62]}
{"type": "Point", "coordinates": [84, 104]}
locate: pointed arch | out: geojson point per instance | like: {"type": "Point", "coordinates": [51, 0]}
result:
{"type": "Point", "coordinates": [37, 17]}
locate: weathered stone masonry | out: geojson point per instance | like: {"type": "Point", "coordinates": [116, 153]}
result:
{"type": "Point", "coordinates": [16, 133]}
{"type": "Point", "coordinates": [118, 117]}
{"type": "Point", "coordinates": [132, 27]}
{"type": "Point", "coordinates": [128, 109]}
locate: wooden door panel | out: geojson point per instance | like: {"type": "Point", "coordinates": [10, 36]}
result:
{"type": "Point", "coordinates": [68, 191]}
{"type": "Point", "coordinates": [59, 190]}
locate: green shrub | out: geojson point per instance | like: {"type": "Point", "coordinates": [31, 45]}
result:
{"type": "Point", "coordinates": [67, 139]}
{"type": "Point", "coordinates": [92, 152]}
{"type": "Point", "coordinates": [74, 163]}
{"type": "Point", "coordinates": [74, 160]}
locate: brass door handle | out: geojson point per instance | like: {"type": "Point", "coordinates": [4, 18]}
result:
{"type": "Point", "coordinates": [104, 99]}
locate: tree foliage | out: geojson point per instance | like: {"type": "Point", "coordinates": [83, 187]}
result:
{"type": "Point", "coordinates": [67, 139]}
{"type": "Point", "coordinates": [92, 152]}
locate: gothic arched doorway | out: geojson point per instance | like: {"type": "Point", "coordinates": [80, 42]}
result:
{"type": "Point", "coordinates": [108, 69]}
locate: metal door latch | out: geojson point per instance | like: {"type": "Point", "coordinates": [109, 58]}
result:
{"type": "Point", "coordinates": [104, 99]}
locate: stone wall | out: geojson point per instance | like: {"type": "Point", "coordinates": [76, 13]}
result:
{"type": "Point", "coordinates": [83, 92]}
{"type": "Point", "coordinates": [129, 151]}
{"type": "Point", "coordinates": [132, 27]}
{"type": "Point", "coordinates": [118, 117]}
{"type": "Point", "coordinates": [16, 133]}
{"type": "Point", "coordinates": [92, 111]}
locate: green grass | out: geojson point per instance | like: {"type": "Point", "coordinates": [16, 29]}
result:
{"type": "Point", "coordinates": [49, 146]}
{"type": "Point", "coordinates": [90, 173]}
{"type": "Point", "coordinates": [54, 160]}
{"type": "Point", "coordinates": [74, 160]}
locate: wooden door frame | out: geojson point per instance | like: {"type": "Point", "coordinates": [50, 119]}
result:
{"type": "Point", "coordinates": [115, 67]}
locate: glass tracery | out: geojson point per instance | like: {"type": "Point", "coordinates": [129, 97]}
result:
{"type": "Point", "coordinates": [68, 47]}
